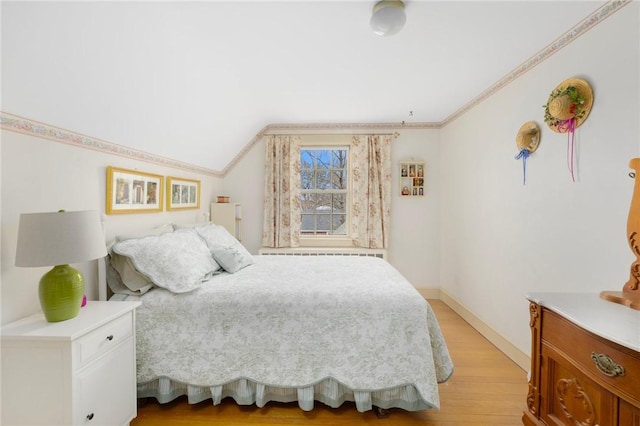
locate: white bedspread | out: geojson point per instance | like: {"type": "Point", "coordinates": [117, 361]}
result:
{"type": "Point", "coordinates": [294, 328]}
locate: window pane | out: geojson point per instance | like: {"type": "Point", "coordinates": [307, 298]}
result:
{"type": "Point", "coordinates": [308, 203]}
{"type": "Point", "coordinates": [320, 158]}
{"type": "Point", "coordinates": [339, 159]}
{"type": "Point", "coordinates": [306, 178]}
{"type": "Point", "coordinates": [339, 179]}
{"type": "Point", "coordinates": [339, 203]}
{"type": "Point", "coordinates": [306, 159]}
{"type": "Point", "coordinates": [323, 179]}
{"type": "Point", "coordinates": [323, 203]}
{"type": "Point", "coordinates": [338, 221]}
{"type": "Point", "coordinates": [308, 223]}
{"type": "Point", "coordinates": [322, 222]}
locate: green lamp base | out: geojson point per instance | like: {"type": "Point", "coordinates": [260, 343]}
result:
{"type": "Point", "coordinates": [61, 291]}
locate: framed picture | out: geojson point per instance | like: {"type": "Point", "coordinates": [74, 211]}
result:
{"type": "Point", "coordinates": [131, 191]}
{"type": "Point", "coordinates": [182, 193]}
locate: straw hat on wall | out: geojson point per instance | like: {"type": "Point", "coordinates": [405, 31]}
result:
{"type": "Point", "coordinates": [528, 137]}
{"type": "Point", "coordinates": [569, 105]}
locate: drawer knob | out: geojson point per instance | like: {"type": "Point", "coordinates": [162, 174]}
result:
{"type": "Point", "coordinates": [90, 416]}
{"type": "Point", "coordinates": [606, 365]}
{"type": "Point", "coordinates": [110, 337]}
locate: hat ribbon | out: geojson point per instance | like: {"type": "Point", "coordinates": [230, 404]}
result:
{"type": "Point", "coordinates": [524, 154]}
{"type": "Point", "coordinates": [569, 126]}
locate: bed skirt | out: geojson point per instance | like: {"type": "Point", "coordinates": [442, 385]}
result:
{"type": "Point", "coordinates": [246, 392]}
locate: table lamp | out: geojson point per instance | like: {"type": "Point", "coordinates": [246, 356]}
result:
{"type": "Point", "coordinates": [60, 238]}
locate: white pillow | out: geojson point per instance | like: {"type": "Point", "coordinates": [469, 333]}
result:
{"type": "Point", "coordinates": [129, 276]}
{"type": "Point", "coordinates": [117, 286]}
{"type": "Point", "coordinates": [225, 248]}
{"type": "Point", "coordinates": [179, 261]}
{"type": "Point", "coordinates": [177, 226]}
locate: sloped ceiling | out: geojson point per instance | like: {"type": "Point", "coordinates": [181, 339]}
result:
{"type": "Point", "coordinates": [196, 81]}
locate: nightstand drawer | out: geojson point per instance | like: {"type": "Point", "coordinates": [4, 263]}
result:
{"type": "Point", "coordinates": [610, 364]}
{"type": "Point", "coordinates": [106, 390]}
{"type": "Point", "coordinates": [103, 339]}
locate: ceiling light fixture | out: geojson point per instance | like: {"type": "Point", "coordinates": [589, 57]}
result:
{"type": "Point", "coordinates": [388, 17]}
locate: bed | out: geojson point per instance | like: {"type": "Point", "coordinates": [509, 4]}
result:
{"type": "Point", "coordinates": [217, 322]}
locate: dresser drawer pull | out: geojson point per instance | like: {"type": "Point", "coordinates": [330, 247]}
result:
{"type": "Point", "coordinates": [110, 337]}
{"type": "Point", "coordinates": [90, 416]}
{"type": "Point", "coordinates": [606, 365]}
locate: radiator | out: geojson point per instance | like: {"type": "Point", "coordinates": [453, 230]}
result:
{"type": "Point", "coordinates": [323, 251]}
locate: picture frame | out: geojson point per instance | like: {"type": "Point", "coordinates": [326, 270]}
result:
{"type": "Point", "coordinates": [133, 191]}
{"type": "Point", "coordinates": [182, 193]}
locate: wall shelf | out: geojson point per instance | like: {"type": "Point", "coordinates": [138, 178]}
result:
{"type": "Point", "coordinates": [412, 178]}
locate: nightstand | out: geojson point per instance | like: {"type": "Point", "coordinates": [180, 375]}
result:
{"type": "Point", "coordinates": [76, 372]}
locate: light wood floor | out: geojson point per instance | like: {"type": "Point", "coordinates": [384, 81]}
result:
{"type": "Point", "coordinates": [486, 388]}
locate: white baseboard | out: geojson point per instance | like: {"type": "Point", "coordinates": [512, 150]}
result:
{"type": "Point", "coordinates": [429, 293]}
{"type": "Point", "coordinates": [522, 359]}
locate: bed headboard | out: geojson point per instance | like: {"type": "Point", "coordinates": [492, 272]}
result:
{"type": "Point", "coordinates": [102, 278]}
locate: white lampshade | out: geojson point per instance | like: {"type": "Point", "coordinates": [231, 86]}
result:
{"type": "Point", "coordinates": [388, 17]}
{"type": "Point", "coordinates": [59, 238]}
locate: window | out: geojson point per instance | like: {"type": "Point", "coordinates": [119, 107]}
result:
{"type": "Point", "coordinates": [332, 205]}
{"type": "Point", "coordinates": [324, 190]}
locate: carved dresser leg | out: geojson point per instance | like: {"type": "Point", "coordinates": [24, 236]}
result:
{"type": "Point", "coordinates": [533, 396]}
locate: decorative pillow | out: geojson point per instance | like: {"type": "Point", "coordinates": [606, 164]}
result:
{"type": "Point", "coordinates": [178, 261]}
{"type": "Point", "coordinates": [225, 248]}
{"type": "Point", "coordinates": [232, 259]}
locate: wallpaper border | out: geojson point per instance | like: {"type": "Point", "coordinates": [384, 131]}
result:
{"type": "Point", "coordinates": [34, 128]}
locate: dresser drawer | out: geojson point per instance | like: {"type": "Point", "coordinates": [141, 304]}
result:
{"type": "Point", "coordinates": [581, 347]}
{"type": "Point", "coordinates": [102, 340]}
{"type": "Point", "coordinates": [571, 398]}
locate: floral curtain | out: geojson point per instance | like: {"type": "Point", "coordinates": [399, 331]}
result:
{"type": "Point", "coordinates": [282, 209]}
{"type": "Point", "coordinates": [371, 183]}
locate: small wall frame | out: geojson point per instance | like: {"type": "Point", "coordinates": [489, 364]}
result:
{"type": "Point", "coordinates": [131, 191]}
{"type": "Point", "coordinates": [182, 193]}
{"type": "Point", "coordinates": [412, 173]}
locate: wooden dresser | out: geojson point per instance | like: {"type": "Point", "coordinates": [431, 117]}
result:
{"type": "Point", "coordinates": [585, 361]}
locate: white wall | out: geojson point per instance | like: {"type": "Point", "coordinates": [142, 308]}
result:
{"type": "Point", "coordinates": [501, 239]}
{"type": "Point", "coordinates": [244, 184]}
{"type": "Point", "coordinates": [414, 248]}
{"type": "Point", "coordinates": [40, 175]}
{"type": "Point", "coordinates": [415, 229]}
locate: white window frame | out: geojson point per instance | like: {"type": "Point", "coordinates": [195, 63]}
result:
{"type": "Point", "coordinates": [331, 142]}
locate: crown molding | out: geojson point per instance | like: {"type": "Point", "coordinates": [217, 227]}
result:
{"type": "Point", "coordinates": [278, 128]}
